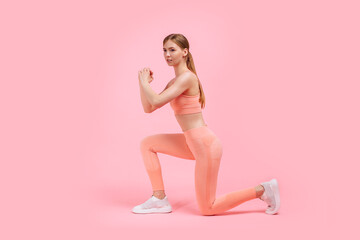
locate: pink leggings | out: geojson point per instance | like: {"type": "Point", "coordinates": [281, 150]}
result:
{"type": "Point", "coordinates": [203, 146]}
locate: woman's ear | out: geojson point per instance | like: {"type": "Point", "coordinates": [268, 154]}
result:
{"type": "Point", "coordinates": [186, 51]}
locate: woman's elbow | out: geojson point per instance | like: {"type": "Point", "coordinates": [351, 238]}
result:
{"type": "Point", "coordinates": [153, 108]}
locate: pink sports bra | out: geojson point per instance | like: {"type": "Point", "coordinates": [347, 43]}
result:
{"type": "Point", "coordinates": [185, 104]}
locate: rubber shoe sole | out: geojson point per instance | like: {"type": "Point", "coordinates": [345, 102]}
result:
{"type": "Point", "coordinates": [165, 209]}
{"type": "Point", "coordinates": [275, 188]}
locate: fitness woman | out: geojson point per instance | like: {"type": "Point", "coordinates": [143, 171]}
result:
{"type": "Point", "coordinates": [196, 142]}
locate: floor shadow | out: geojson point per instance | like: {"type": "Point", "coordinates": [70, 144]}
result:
{"type": "Point", "coordinates": [124, 197]}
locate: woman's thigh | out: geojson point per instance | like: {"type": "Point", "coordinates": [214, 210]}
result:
{"type": "Point", "coordinates": [173, 144]}
{"type": "Point", "coordinates": [208, 152]}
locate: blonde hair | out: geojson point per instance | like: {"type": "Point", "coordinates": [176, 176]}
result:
{"type": "Point", "coordinates": [183, 43]}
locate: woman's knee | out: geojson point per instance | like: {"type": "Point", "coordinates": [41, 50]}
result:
{"type": "Point", "coordinates": [147, 141]}
{"type": "Point", "coordinates": [144, 142]}
{"type": "Point", "coordinates": [207, 212]}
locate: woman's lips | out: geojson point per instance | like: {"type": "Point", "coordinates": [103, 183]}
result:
{"type": "Point", "coordinates": [168, 60]}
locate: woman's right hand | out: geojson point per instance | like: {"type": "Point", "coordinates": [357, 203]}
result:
{"type": "Point", "coordinates": [147, 74]}
{"type": "Point", "coordinates": [151, 76]}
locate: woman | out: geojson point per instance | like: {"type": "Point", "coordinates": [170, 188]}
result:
{"type": "Point", "coordinates": [197, 142]}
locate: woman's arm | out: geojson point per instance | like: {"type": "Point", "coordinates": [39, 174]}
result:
{"type": "Point", "coordinates": [148, 108]}
{"type": "Point", "coordinates": [182, 83]}
{"type": "Point", "coordinates": [146, 105]}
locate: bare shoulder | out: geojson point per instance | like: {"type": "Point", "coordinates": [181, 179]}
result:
{"type": "Point", "coordinates": [191, 75]}
{"type": "Point", "coordinates": [187, 76]}
{"type": "Point", "coordinates": [193, 83]}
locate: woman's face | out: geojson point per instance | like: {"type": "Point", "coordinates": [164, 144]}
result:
{"type": "Point", "coordinates": [173, 53]}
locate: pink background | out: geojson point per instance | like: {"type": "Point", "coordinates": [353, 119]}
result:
{"type": "Point", "coordinates": [281, 80]}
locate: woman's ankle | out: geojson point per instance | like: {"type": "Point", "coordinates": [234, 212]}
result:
{"type": "Point", "coordinates": [159, 194]}
{"type": "Point", "coordinates": [259, 190]}
{"type": "Point", "coordinates": [160, 197]}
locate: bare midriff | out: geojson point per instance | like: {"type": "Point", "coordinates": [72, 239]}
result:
{"type": "Point", "coordinates": [189, 121]}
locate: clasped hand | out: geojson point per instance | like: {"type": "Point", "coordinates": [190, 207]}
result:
{"type": "Point", "coordinates": [145, 75]}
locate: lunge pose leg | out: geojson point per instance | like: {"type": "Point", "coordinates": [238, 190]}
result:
{"type": "Point", "coordinates": [173, 144]}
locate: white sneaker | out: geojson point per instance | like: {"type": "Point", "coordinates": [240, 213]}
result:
{"type": "Point", "coordinates": [153, 205]}
{"type": "Point", "coordinates": [271, 196]}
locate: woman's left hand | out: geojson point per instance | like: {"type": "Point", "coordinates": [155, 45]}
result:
{"type": "Point", "coordinates": [145, 75]}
